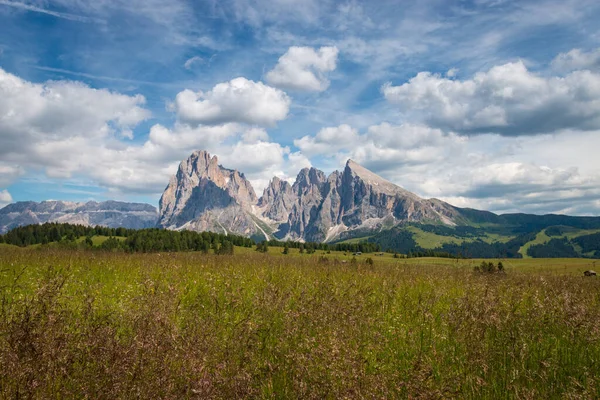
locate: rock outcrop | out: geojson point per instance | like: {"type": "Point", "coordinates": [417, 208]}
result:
{"type": "Point", "coordinates": [203, 195]}
{"type": "Point", "coordinates": [113, 214]}
{"type": "Point", "coordinates": [326, 208]}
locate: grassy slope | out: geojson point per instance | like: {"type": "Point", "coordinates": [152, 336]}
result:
{"type": "Point", "coordinates": [104, 325]}
{"type": "Point", "coordinates": [540, 238]}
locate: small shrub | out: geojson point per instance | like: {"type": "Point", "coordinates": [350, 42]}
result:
{"type": "Point", "coordinates": [369, 261]}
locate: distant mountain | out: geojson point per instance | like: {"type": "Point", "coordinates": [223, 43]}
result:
{"type": "Point", "coordinates": [357, 205]}
{"type": "Point", "coordinates": [107, 213]}
{"type": "Point", "coordinates": [203, 195]}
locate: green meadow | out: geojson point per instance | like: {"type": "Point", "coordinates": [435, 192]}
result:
{"type": "Point", "coordinates": [94, 324]}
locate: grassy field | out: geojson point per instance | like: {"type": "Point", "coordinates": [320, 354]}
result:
{"type": "Point", "coordinates": [187, 325]}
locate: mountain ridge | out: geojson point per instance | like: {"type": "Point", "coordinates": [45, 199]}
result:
{"type": "Point", "coordinates": [316, 207]}
{"type": "Point", "coordinates": [109, 213]}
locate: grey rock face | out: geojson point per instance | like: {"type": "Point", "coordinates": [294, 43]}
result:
{"type": "Point", "coordinates": [277, 200]}
{"type": "Point", "coordinates": [354, 199]}
{"type": "Point", "coordinates": [113, 214]}
{"type": "Point", "coordinates": [206, 196]}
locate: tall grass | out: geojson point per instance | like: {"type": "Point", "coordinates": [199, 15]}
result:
{"type": "Point", "coordinates": [96, 325]}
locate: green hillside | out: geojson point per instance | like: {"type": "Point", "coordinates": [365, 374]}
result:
{"type": "Point", "coordinates": [487, 235]}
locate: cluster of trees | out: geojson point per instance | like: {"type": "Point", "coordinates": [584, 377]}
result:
{"type": "Point", "coordinates": [555, 248]}
{"type": "Point", "coordinates": [589, 243]}
{"type": "Point", "coordinates": [419, 252]}
{"type": "Point", "coordinates": [311, 247]}
{"type": "Point", "coordinates": [121, 239]}
{"type": "Point", "coordinates": [396, 240]}
{"type": "Point", "coordinates": [155, 240]}
{"type": "Point", "coordinates": [56, 232]}
{"type": "Point", "coordinates": [489, 267]}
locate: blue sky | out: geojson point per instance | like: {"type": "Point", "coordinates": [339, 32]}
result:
{"type": "Point", "coordinates": [491, 104]}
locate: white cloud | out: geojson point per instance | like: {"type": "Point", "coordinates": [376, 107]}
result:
{"type": "Point", "coordinates": [452, 72]}
{"type": "Point", "coordinates": [577, 59]}
{"type": "Point", "coordinates": [304, 69]}
{"type": "Point", "coordinates": [192, 62]}
{"type": "Point", "coordinates": [5, 198]}
{"type": "Point", "coordinates": [31, 113]}
{"type": "Point", "coordinates": [507, 99]}
{"type": "Point", "coordinates": [239, 100]}
{"type": "Point", "coordinates": [381, 145]}
{"type": "Point", "coordinates": [254, 135]}
{"type": "Point", "coordinates": [328, 140]}
{"type": "Point", "coordinates": [8, 173]}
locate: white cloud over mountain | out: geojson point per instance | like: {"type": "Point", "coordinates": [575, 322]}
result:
{"type": "Point", "coordinates": [304, 69]}
{"type": "Point", "coordinates": [68, 129]}
{"type": "Point", "coordinates": [239, 100]}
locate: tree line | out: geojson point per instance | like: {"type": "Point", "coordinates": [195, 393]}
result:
{"type": "Point", "coordinates": [121, 239]}
{"type": "Point", "coordinates": [311, 247]}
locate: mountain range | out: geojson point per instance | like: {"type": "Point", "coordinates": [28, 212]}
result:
{"type": "Point", "coordinates": [354, 204]}
{"type": "Point", "coordinates": [113, 214]}
{"type": "Point", "coordinates": [203, 195]}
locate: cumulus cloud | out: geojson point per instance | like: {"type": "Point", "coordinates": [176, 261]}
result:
{"type": "Point", "coordinates": [577, 59]}
{"type": "Point", "coordinates": [304, 69]}
{"type": "Point", "coordinates": [328, 140]}
{"type": "Point", "coordinates": [5, 198]}
{"type": "Point", "coordinates": [381, 146]}
{"type": "Point", "coordinates": [255, 135]}
{"type": "Point", "coordinates": [32, 113]}
{"type": "Point", "coordinates": [507, 99]}
{"type": "Point", "coordinates": [239, 100]}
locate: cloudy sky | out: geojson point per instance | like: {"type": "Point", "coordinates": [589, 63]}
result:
{"type": "Point", "coordinates": [491, 104]}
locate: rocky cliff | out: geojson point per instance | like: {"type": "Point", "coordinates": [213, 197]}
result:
{"type": "Point", "coordinates": [203, 195]}
{"type": "Point", "coordinates": [113, 214]}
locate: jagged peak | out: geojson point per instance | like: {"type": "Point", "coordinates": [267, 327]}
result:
{"type": "Point", "coordinates": [351, 163]}
{"type": "Point", "coordinates": [355, 169]}
{"type": "Point", "coordinates": [311, 173]}
{"type": "Point", "coordinates": [201, 154]}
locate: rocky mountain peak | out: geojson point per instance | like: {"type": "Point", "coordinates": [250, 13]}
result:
{"type": "Point", "coordinates": [203, 195]}
{"type": "Point", "coordinates": [206, 196]}
{"type": "Point", "coordinates": [309, 179]}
